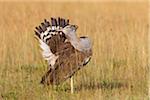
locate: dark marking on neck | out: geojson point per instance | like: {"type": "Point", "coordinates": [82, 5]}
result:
{"type": "Point", "coordinates": [83, 37]}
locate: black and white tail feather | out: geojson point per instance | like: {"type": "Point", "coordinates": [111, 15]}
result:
{"type": "Point", "coordinates": [50, 32]}
{"type": "Point", "coordinates": [46, 30]}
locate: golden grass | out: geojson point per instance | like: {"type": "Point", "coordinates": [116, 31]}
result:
{"type": "Point", "coordinates": [119, 66]}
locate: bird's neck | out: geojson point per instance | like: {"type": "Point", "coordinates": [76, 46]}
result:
{"type": "Point", "coordinates": [77, 44]}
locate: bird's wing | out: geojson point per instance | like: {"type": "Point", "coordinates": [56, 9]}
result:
{"type": "Point", "coordinates": [69, 62]}
{"type": "Point", "coordinates": [51, 38]}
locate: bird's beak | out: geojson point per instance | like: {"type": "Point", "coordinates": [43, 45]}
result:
{"type": "Point", "coordinates": [76, 27]}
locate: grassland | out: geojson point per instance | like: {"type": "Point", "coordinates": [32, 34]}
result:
{"type": "Point", "coordinates": [119, 66]}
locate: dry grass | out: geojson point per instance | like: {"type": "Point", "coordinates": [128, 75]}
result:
{"type": "Point", "coordinates": [119, 66]}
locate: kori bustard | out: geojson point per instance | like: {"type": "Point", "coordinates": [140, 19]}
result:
{"type": "Point", "coordinates": [63, 50]}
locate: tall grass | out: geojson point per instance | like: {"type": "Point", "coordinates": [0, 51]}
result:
{"type": "Point", "coordinates": [119, 66]}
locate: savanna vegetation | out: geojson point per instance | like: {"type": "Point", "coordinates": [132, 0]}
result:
{"type": "Point", "coordinates": [119, 66]}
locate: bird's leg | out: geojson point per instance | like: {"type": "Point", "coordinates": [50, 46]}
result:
{"type": "Point", "coordinates": [72, 85]}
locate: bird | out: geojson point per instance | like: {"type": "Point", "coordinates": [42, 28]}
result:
{"type": "Point", "coordinates": [65, 53]}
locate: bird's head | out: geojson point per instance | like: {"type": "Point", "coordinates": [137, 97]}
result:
{"type": "Point", "coordinates": [70, 30]}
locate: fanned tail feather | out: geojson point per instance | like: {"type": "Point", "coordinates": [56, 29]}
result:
{"type": "Point", "coordinates": [46, 30]}
{"type": "Point", "coordinates": [49, 36]}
